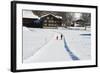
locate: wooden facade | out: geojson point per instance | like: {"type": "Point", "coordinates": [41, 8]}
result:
{"type": "Point", "coordinates": [51, 21]}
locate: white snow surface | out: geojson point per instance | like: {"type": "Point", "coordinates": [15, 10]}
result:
{"type": "Point", "coordinates": [79, 42]}
{"type": "Point", "coordinates": [53, 51]}
{"type": "Point", "coordinates": [29, 14]}
{"type": "Point", "coordinates": [41, 45]}
{"type": "Point", "coordinates": [33, 40]}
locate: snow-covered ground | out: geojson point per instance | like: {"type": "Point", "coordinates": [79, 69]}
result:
{"type": "Point", "coordinates": [41, 45]}
{"type": "Point", "coordinates": [79, 42]}
{"type": "Point", "coordinates": [88, 28]}
{"type": "Point", "coordinates": [33, 40]}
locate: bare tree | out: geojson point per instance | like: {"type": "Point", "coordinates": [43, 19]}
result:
{"type": "Point", "coordinates": [87, 19]}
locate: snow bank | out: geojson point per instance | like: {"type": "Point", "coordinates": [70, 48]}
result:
{"type": "Point", "coordinates": [53, 51]}
{"type": "Point", "coordinates": [79, 28]}
{"type": "Point", "coordinates": [33, 40]}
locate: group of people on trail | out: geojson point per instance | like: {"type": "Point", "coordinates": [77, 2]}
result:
{"type": "Point", "coordinates": [61, 36]}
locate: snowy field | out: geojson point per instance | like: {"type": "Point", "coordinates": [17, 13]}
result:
{"type": "Point", "coordinates": [41, 45]}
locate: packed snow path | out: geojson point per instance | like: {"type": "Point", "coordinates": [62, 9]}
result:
{"type": "Point", "coordinates": [53, 51]}
{"type": "Point", "coordinates": [72, 55]}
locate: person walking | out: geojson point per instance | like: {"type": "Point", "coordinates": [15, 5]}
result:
{"type": "Point", "coordinates": [61, 36]}
{"type": "Point", "coordinates": [57, 38]}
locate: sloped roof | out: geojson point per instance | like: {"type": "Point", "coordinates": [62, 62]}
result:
{"type": "Point", "coordinates": [29, 14]}
{"type": "Point", "coordinates": [80, 20]}
{"type": "Point", "coordinates": [52, 15]}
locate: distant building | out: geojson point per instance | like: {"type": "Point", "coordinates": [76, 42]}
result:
{"type": "Point", "coordinates": [78, 23]}
{"type": "Point", "coordinates": [50, 20]}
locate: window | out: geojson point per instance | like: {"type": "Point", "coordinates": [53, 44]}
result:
{"type": "Point", "coordinates": [51, 17]}
{"type": "Point", "coordinates": [47, 17]}
{"type": "Point", "coordinates": [45, 21]}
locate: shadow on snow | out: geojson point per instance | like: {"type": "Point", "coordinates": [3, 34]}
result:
{"type": "Point", "coordinates": [85, 34]}
{"type": "Point", "coordinates": [69, 51]}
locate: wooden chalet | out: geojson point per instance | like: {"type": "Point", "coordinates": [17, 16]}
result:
{"type": "Point", "coordinates": [50, 20]}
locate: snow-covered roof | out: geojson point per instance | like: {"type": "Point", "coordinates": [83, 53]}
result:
{"type": "Point", "coordinates": [58, 17]}
{"type": "Point", "coordinates": [78, 20]}
{"type": "Point", "coordinates": [52, 15]}
{"type": "Point", "coordinates": [29, 14]}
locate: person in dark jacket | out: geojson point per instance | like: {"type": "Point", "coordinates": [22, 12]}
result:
{"type": "Point", "coordinates": [61, 36]}
{"type": "Point", "coordinates": [57, 38]}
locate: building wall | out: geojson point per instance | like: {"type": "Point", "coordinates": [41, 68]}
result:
{"type": "Point", "coordinates": [51, 21]}
{"type": "Point", "coordinates": [46, 21]}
